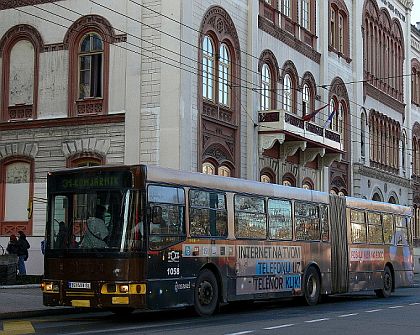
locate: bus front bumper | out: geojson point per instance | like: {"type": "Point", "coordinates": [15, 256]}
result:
{"type": "Point", "coordinates": [94, 295]}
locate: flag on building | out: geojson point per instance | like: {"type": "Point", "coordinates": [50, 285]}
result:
{"type": "Point", "coordinates": [330, 117]}
{"type": "Point", "coordinates": [309, 116]}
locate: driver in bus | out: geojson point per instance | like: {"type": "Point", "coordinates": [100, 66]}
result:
{"type": "Point", "coordinates": [96, 230]}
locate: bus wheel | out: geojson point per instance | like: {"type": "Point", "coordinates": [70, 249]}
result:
{"type": "Point", "coordinates": [206, 293]}
{"type": "Point", "coordinates": [311, 286]}
{"type": "Point", "coordinates": [386, 291]}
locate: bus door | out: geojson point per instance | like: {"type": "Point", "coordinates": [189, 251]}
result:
{"type": "Point", "coordinates": [168, 283]}
{"type": "Point", "coordinates": [339, 245]}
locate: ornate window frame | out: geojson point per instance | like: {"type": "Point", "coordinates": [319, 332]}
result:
{"type": "Point", "coordinates": [290, 94]}
{"type": "Point", "coordinates": [78, 30]}
{"type": "Point", "coordinates": [308, 80]}
{"type": "Point", "coordinates": [338, 29]}
{"type": "Point", "coordinates": [9, 227]}
{"type": "Point", "coordinates": [7, 42]}
{"type": "Point", "coordinates": [268, 59]}
{"type": "Point", "coordinates": [219, 124]}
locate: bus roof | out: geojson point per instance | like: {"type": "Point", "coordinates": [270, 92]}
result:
{"type": "Point", "coordinates": [197, 179]}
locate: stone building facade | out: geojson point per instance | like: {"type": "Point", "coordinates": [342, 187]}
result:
{"type": "Point", "coordinates": [313, 94]}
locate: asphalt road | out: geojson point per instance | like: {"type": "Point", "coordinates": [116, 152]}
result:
{"type": "Point", "coordinates": [340, 315]}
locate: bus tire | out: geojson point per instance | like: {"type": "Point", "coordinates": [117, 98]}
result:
{"type": "Point", "coordinates": [386, 290]}
{"type": "Point", "coordinates": [206, 293]}
{"type": "Point", "coordinates": [311, 286]}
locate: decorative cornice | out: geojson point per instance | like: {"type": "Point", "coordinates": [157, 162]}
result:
{"type": "Point", "coordinates": [380, 175]}
{"type": "Point", "coordinates": [407, 3]}
{"type": "Point", "coordinates": [63, 122]}
{"type": "Point", "coordinates": [7, 4]}
{"type": "Point", "coordinates": [386, 99]}
{"type": "Point", "coordinates": [282, 35]}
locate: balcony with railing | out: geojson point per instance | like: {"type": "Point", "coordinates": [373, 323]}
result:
{"type": "Point", "coordinates": [287, 128]}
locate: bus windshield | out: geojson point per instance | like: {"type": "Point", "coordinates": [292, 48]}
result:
{"type": "Point", "coordinates": [91, 220]}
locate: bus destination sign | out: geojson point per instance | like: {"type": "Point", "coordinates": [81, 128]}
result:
{"type": "Point", "coordinates": [103, 180]}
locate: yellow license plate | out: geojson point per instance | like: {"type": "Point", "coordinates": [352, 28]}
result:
{"type": "Point", "coordinates": [80, 303]}
{"type": "Point", "coordinates": [120, 300]}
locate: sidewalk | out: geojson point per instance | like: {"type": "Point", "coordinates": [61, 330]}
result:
{"type": "Point", "coordinates": [22, 301]}
{"type": "Point", "coordinates": [17, 301]}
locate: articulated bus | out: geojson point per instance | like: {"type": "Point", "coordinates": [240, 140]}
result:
{"type": "Point", "coordinates": [172, 239]}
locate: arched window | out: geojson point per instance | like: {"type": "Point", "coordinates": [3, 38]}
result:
{"type": "Point", "coordinates": [91, 56]}
{"type": "Point", "coordinates": [208, 68]}
{"type": "Point", "coordinates": [267, 175]}
{"type": "Point", "coordinates": [403, 151]}
{"type": "Point", "coordinates": [415, 81]}
{"type": "Point", "coordinates": [19, 50]}
{"type": "Point", "coordinates": [289, 180]}
{"type": "Point", "coordinates": [332, 114]}
{"type": "Point", "coordinates": [219, 93]}
{"type": "Point", "coordinates": [16, 190]}
{"type": "Point", "coordinates": [376, 197]}
{"type": "Point", "coordinates": [383, 52]}
{"type": "Point", "coordinates": [265, 87]}
{"type": "Point", "coordinates": [333, 20]}
{"type": "Point", "coordinates": [287, 93]}
{"type": "Point", "coordinates": [224, 75]}
{"type": "Point", "coordinates": [308, 184]}
{"type": "Point", "coordinates": [85, 159]}
{"type": "Point", "coordinates": [208, 168]}
{"type": "Point", "coordinates": [223, 171]}
{"type": "Point", "coordinates": [339, 28]}
{"type": "Point", "coordinates": [88, 40]}
{"type": "Point", "coordinates": [362, 134]}
{"type": "Point", "coordinates": [392, 200]}
{"type": "Point", "coordinates": [306, 100]}
{"type": "Point", "coordinates": [340, 33]}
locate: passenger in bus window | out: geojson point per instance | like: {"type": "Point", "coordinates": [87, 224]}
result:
{"type": "Point", "coordinates": [158, 224]}
{"type": "Point", "coordinates": [62, 236]}
{"type": "Point", "coordinates": [96, 230]}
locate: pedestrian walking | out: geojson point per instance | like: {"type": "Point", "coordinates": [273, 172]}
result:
{"type": "Point", "coordinates": [23, 246]}
{"type": "Point", "coordinates": [12, 246]}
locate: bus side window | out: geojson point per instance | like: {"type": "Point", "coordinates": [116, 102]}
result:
{"type": "Point", "coordinates": [208, 214]}
{"type": "Point", "coordinates": [375, 228]}
{"type": "Point", "coordinates": [166, 224]}
{"type": "Point", "coordinates": [358, 226]}
{"type": "Point", "coordinates": [307, 223]}
{"type": "Point", "coordinates": [325, 223]}
{"type": "Point", "coordinates": [280, 219]}
{"type": "Point", "coordinates": [250, 217]}
{"type": "Point", "coordinates": [388, 228]}
{"type": "Point", "coordinates": [401, 230]}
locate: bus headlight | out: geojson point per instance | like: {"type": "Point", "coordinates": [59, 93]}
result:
{"type": "Point", "coordinates": [124, 288]}
{"type": "Point", "coordinates": [50, 287]}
